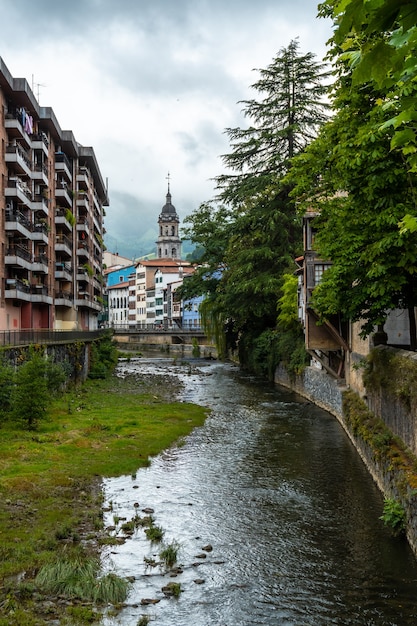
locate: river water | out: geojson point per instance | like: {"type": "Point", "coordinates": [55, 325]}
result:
{"type": "Point", "coordinates": [274, 486]}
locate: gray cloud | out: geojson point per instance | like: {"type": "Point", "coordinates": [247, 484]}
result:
{"type": "Point", "coordinates": [151, 84]}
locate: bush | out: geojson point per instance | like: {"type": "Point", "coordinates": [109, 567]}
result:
{"type": "Point", "coordinates": [103, 357]}
{"type": "Point", "coordinates": [7, 381]}
{"type": "Point", "coordinates": [30, 396]}
{"type": "Point", "coordinates": [394, 516]}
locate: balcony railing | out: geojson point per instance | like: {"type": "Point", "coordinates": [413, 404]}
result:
{"type": "Point", "coordinates": [13, 215]}
{"type": "Point", "coordinates": [18, 285]}
{"type": "Point", "coordinates": [19, 251]}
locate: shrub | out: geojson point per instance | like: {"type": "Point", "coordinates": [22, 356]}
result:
{"type": "Point", "coordinates": [394, 516]}
{"type": "Point", "coordinates": [7, 381]}
{"type": "Point", "coordinates": [30, 396]}
{"type": "Point", "coordinates": [103, 357]}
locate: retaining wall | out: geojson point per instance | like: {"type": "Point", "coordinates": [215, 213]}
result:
{"type": "Point", "coordinates": [323, 390]}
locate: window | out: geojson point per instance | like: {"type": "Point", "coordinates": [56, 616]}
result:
{"type": "Point", "coordinates": [319, 269]}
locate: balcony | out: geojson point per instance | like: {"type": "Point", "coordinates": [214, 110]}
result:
{"type": "Point", "coordinates": [63, 271]}
{"type": "Point", "coordinates": [40, 232]}
{"type": "Point", "coordinates": [83, 252]}
{"type": "Point", "coordinates": [64, 298]}
{"type": "Point", "coordinates": [83, 178]}
{"type": "Point", "coordinates": [61, 218]}
{"type": "Point", "coordinates": [40, 173]}
{"type": "Point", "coordinates": [63, 165]}
{"type": "Point", "coordinates": [86, 301]}
{"type": "Point", "coordinates": [40, 204]}
{"type": "Point", "coordinates": [40, 142]}
{"type": "Point", "coordinates": [82, 226]}
{"type": "Point", "coordinates": [19, 159]}
{"type": "Point", "coordinates": [64, 196]}
{"type": "Point", "coordinates": [17, 189]}
{"type": "Point", "coordinates": [40, 294]}
{"type": "Point", "coordinates": [18, 256]}
{"type": "Point", "coordinates": [18, 222]}
{"type": "Point", "coordinates": [40, 263]}
{"type": "Point", "coordinates": [63, 244]}
{"type": "Point", "coordinates": [15, 129]}
{"type": "Point", "coordinates": [17, 289]}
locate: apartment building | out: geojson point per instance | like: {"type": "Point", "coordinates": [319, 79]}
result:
{"type": "Point", "coordinates": [52, 199]}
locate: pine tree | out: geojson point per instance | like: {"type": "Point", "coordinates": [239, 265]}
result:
{"type": "Point", "coordinates": [283, 121]}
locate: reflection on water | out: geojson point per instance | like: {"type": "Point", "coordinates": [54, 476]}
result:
{"type": "Point", "coordinates": [273, 484]}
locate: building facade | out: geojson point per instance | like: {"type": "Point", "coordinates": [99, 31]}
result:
{"type": "Point", "coordinates": [52, 199]}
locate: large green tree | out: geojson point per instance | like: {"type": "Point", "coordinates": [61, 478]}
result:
{"type": "Point", "coordinates": [285, 116]}
{"type": "Point", "coordinates": [361, 188]}
{"type": "Point", "coordinates": [255, 233]}
{"type": "Point", "coordinates": [379, 39]}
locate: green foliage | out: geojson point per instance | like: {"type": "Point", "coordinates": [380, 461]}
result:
{"type": "Point", "coordinates": [196, 348]}
{"type": "Point", "coordinates": [154, 533]}
{"type": "Point", "coordinates": [250, 240]}
{"type": "Point", "coordinates": [394, 516]}
{"type": "Point", "coordinates": [288, 302]}
{"type": "Point", "coordinates": [172, 589]}
{"type": "Point", "coordinates": [31, 393]}
{"type": "Point", "coordinates": [379, 41]}
{"type": "Point", "coordinates": [284, 120]}
{"type": "Point", "coordinates": [361, 189]}
{"type": "Point", "coordinates": [214, 324]}
{"type": "Point", "coordinates": [263, 353]}
{"type": "Point", "coordinates": [103, 357]}
{"type": "Point", "coordinates": [78, 578]}
{"type": "Point", "coordinates": [291, 351]}
{"type": "Point", "coordinates": [82, 615]}
{"type": "Point", "coordinates": [7, 382]}
{"type": "Point", "coordinates": [169, 554]}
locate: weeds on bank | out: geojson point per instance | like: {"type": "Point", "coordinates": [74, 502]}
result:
{"type": "Point", "coordinates": [78, 578]}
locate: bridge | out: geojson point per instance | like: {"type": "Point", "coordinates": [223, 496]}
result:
{"type": "Point", "coordinates": [159, 334]}
{"type": "Point", "coordinates": [165, 337]}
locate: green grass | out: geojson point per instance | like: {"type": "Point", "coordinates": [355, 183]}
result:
{"type": "Point", "coordinates": [49, 479]}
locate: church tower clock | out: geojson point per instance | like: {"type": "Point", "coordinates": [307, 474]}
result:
{"type": "Point", "coordinates": [168, 245]}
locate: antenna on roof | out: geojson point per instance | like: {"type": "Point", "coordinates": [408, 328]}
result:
{"type": "Point", "coordinates": [37, 85]}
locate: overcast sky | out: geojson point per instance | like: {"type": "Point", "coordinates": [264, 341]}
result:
{"type": "Point", "coordinates": [151, 85]}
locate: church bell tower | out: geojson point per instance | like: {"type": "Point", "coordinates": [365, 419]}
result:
{"type": "Point", "coordinates": [168, 245]}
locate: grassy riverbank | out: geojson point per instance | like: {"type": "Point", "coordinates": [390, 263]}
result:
{"type": "Point", "coordinates": [49, 478]}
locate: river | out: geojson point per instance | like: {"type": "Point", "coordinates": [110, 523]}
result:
{"type": "Point", "coordinates": [274, 486]}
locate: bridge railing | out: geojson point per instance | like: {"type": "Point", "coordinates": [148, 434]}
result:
{"type": "Point", "coordinates": [43, 336]}
{"type": "Point", "coordinates": [123, 329]}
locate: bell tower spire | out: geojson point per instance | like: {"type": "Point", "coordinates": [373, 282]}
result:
{"type": "Point", "coordinates": [168, 245]}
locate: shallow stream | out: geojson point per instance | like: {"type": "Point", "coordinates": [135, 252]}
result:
{"type": "Point", "coordinates": [274, 486]}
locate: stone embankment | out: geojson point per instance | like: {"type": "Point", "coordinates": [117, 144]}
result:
{"type": "Point", "coordinates": [381, 425]}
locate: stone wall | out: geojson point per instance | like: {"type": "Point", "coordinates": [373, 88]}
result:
{"type": "Point", "coordinates": [316, 385]}
{"type": "Point", "coordinates": [394, 481]}
{"type": "Point", "coordinates": [75, 357]}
